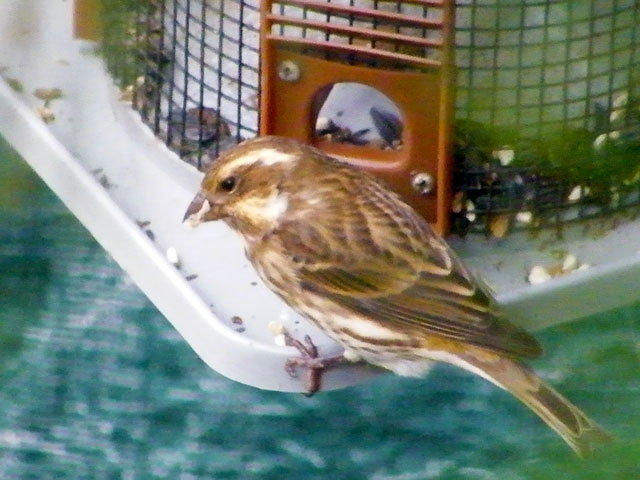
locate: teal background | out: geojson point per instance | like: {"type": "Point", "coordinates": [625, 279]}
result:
{"type": "Point", "coordinates": [96, 384]}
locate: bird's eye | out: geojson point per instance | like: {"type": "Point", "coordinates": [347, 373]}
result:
{"type": "Point", "coordinates": [228, 184]}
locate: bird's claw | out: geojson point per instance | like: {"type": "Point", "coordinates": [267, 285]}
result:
{"type": "Point", "coordinates": [307, 349]}
{"type": "Point", "coordinates": [309, 359]}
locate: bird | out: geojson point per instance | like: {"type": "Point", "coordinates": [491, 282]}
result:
{"type": "Point", "coordinates": [350, 256]}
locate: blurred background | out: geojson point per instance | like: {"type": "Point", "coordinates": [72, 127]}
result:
{"type": "Point", "coordinates": [96, 384]}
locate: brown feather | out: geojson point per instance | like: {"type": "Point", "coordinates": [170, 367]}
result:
{"type": "Point", "coordinates": [352, 257]}
{"type": "Point", "coordinates": [396, 271]}
{"type": "Point", "coordinates": [578, 430]}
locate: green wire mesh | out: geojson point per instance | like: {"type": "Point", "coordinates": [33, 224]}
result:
{"type": "Point", "coordinates": [190, 70]}
{"type": "Point", "coordinates": [547, 126]}
{"type": "Point", "coordinates": [547, 104]}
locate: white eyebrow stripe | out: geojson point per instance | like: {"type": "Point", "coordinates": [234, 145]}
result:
{"type": "Point", "coordinates": [263, 156]}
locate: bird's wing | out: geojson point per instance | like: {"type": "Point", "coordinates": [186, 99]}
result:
{"type": "Point", "coordinates": [397, 271]}
{"type": "Point", "coordinates": [420, 301]}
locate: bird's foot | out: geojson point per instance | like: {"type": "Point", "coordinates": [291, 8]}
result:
{"type": "Point", "coordinates": [309, 359]}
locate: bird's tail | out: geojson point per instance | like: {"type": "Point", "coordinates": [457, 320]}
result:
{"type": "Point", "coordinates": [578, 430]}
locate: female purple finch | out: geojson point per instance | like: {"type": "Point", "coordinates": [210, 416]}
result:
{"type": "Point", "coordinates": [351, 257]}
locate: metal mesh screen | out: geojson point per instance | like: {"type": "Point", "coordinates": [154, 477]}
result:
{"type": "Point", "coordinates": [196, 67]}
{"type": "Point", "coordinates": [548, 124]}
{"type": "Point", "coordinates": [411, 30]}
{"type": "Point", "coordinates": [547, 107]}
{"type": "Point", "coordinates": [535, 64]}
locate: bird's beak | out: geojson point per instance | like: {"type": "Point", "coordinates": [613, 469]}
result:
{"type": "Point", "coordinates": [196, 211]}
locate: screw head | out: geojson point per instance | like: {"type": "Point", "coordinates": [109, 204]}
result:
{"type": "Point", "coordinates": [289, 71]}
{"type": "Point", "coordinates": [422, 182]}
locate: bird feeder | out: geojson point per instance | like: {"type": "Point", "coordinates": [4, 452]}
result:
{"type": "Point", "coordinates": [520, 140]}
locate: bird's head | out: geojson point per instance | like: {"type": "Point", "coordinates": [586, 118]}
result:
{"type": "Point", "coordinates": [244, 186]}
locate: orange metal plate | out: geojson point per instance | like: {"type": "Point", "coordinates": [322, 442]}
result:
{"type": "Point", "coordinates": [86, 20]}
{"type": "Point", "coordinates": [288, 109]}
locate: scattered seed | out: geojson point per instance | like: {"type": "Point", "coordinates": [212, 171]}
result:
{"type": "Point", "coordinates": [276, 327]}
{"type": "Point", "coordinates": [172, 256]}
{"type": "Point", "coordinates": [46, 114]}
{"type": "Point", "coordinates": [48, 94]}
{"type": "Point", "coordinates": [505, 155]}
{"type": "Point", "coordinates": [599, 141]}
{"type": "Point", "coordinates": [499, 225]}
{"type": "Point", "coordinates": [569, 263]}
{"type": "Point", "coordinates": [457, 202]}
{"type": "Point", "coordinates": [279, 332]}
{"type": "Point", "coordinates": [104, 181]}
{"type": "Point", "coordinates": [621, 100]}
{"type": "Point", "coordinates": [635, 178]}
{"type": "Point", "coordinates": [538, 274]}
{"type": "Point", "coordinates": [126, 94]}
{"type": "Point", "coordinates": [578, 192]}
{"type": "Point", "coordinates": [524, 217]}
{"type": "Point", "coordinates": [471, 216]}
{"type": "Point", "coordinates": [616, 115]}
{"type": "Point", "coordinates": [15, 85]}
{"type": "Point", "coordinates": [193, 276]}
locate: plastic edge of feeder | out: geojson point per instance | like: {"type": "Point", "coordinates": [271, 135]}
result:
{"type": "Point", "coordinates": [238, 358]}
{"type": "Point", "coordinates": [574, 296]}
